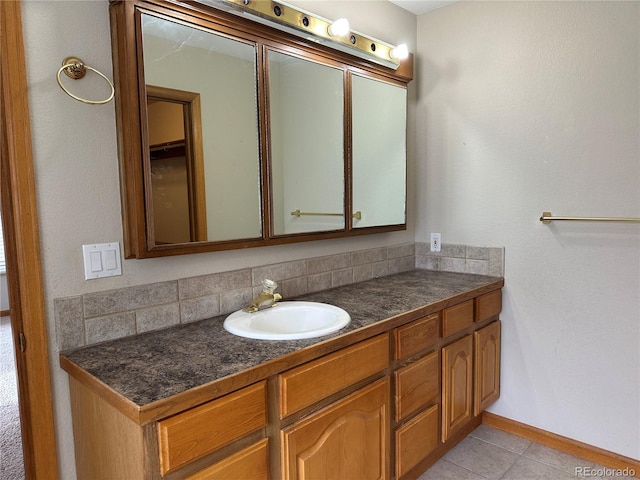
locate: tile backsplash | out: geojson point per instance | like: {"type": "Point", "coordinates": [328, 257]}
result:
{"type": "Point", "coordinates": [96, 317]}
{"type": "Point", "coordinates": [462, 258]}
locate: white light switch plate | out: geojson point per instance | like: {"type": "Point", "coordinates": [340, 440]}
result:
{"type": "Point", "coordinates": [101, 260]}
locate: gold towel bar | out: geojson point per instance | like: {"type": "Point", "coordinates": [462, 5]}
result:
{"type": "Point", "coordinates": [357, 215]}
{"type": "Point", "coordinates": [548, 218]}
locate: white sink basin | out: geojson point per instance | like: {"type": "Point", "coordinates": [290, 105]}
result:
{"type": "Point", "coordinates": [288, 321]}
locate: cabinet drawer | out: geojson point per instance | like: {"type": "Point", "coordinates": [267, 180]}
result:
{"type": "Point", "coordinates": [201, 430]}
{"type": "Point", "coordinates": [416, 336]}
{"type": "Point", "coordinates": [416, 440]}
{"type": "Point", "coordinates": [249, 464]}
{"type": "Point", "coordinates": [305, 385]}
{"type": "Point", "coordinates": [416, 385]}
{"type": "Point", "coordinates": [457, 318]}
{"type": "Point", "coordinates": [488, 305]}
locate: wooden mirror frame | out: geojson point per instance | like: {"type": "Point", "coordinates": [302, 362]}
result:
{"type": "Point", "coordinates": [130, 101]}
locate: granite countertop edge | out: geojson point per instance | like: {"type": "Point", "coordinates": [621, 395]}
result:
{"type": "Point", "coordinates": [153, 367]}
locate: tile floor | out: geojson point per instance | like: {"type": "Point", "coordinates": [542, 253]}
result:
{"type": "Point", "coordinates": [488, 453]}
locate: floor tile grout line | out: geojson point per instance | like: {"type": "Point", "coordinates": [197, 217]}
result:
{"type": "Point", "coordinates": [519, 456]}
{"type": "Point", "coordinates": [503, 448]}
{"type": "Point", "coordinates": [468, 470]}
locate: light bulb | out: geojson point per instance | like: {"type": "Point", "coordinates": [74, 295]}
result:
{"type": "Point", "coordinates": [339, 28]}
{"type": "Point", "coordinates": [400, 52]}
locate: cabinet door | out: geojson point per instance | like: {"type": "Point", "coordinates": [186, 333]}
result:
{"type": "Point", "coordinates": [457, 384]}
{"type": "Point", "coordinates": [348, 439]}
{"type": "Point", "coordinates": [487, 366]}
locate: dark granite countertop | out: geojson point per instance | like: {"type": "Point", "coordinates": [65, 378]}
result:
{"type": "Point", "coordinates": [157, 365]}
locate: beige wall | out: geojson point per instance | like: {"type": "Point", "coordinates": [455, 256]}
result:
{"type": "Point", "coordinates": [76, 167]}
{"type": "Point", "coordinates": [531, 106]}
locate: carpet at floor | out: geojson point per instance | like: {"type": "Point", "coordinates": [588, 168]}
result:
{"type": "Point", "coordinates": [11, 460]}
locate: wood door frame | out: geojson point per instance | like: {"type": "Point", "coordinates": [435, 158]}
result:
{"type": "Point", "coordinates": [24, 272]}
{"type": "Point", "coordinates": [192, 118]}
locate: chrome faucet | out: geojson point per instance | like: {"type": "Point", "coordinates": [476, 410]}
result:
{"type": "Point", "coordinates": [266, 298]}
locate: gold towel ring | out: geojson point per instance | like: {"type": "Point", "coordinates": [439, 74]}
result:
{"type": "Point", "coordinates": [75, 68]}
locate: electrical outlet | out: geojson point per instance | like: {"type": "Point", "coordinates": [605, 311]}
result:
{"type": "Point", "coordinates": [436, 240]}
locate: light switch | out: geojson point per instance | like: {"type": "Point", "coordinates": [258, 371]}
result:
{"type": "Point", "coordinates": [101, 260]}
{"type": "Point", "coordinates": [96, 261]}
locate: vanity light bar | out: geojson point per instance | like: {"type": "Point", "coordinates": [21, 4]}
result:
{"type": "Point", "coordinates": [301, 23]}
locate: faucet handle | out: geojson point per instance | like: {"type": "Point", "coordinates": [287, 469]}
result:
{"type": "Point", "coordinates": [269, 285]}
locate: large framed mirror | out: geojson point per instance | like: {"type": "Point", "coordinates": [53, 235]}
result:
{"type": "Point", "coordinates": [221, 72]}
{"type": "Point", "coordinates": [379, 139]}
{"type": "Point", "coordinates": [233, 134]}
{"type": "Point", "coordinates": [306, 125]}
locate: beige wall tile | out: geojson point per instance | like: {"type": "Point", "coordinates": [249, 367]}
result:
{"type": "Point", "coordinates": [479, 267]}
{"type": "Point", "coordinates": [362, 273]}
{"type": "Point", "coordinates": [155, 318]}
{"type": "Point", "coordinates": [235, 300]}
{"type": "Point", "coordinates": [199, 308]}
{"type": "Point", "coordinates": [215, 283]}
{"type": "Point", "coordinates": [380, 269]}
{"type": "Point", "coordinates": [401, 264]}
{"type": "Point", "coordinates": [448, 264]}
{"type": "Point", "coordinates": [477, 253]}
{"type": "Point", "coordinates": [129, 298]}
{"type": "Point", "coordinates": [369, 256]}
{"type": "Point", "coordinates": [342, 277]}
{"type": "Point", "coordinates": [422, 248]}
{"type": "Point", "coordinates": [427, 262]}
{"type": "Point", "coordinates": [293, 287]}
{"type": "Point", "coordinates": [450, 250]}
{"type": "Point", "coordinates": [328, 263]}
{"type": "Point", "coordinates": [405, 250]}
{"type": "Point", "coordinates": [496, 262]}
{"type": "Point", "coordinates": [110, 327]}
{"type": "Point", "coordinates": [69, 322]}
{"type": "Point", "coordinates": [319, 282]}
{"type": "Point", "coordinates": [279, 271]}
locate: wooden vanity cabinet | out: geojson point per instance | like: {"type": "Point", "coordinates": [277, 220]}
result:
{"type": "Point", "coordinates": [387, 406]}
